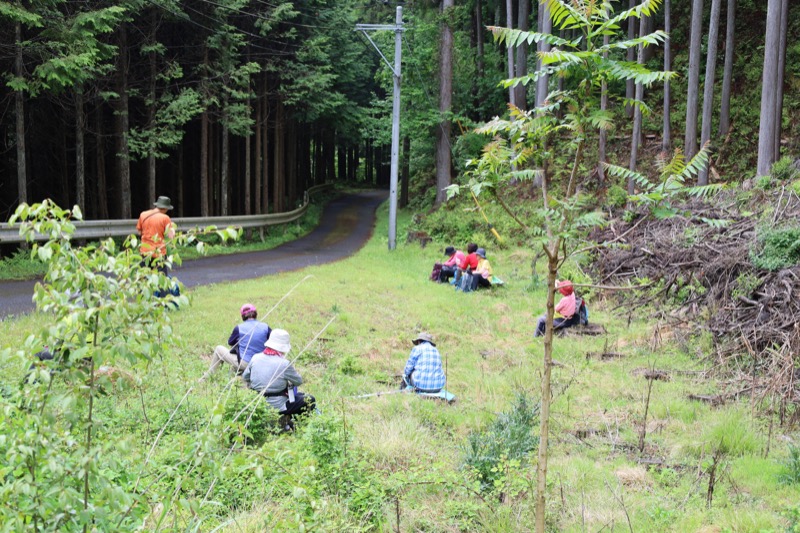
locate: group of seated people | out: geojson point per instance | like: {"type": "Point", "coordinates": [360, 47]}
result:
{"type": "Point", "coordinates": [467, 272]}
{"type": "Point", "coordinates": [258, 353]}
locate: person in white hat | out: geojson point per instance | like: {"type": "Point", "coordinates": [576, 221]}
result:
{"type": "Point", "coordinates": [423, 371]}
{"type": "Point", "coordinates": [272, 375]}
{"type": "Point", "coordinates": [246, 340]}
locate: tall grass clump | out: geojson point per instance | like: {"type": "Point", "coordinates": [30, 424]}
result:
{"type": "Point", "coordinates": [791, 476]}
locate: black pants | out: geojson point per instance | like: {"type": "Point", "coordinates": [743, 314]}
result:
{"type": "Point", "coordinates": [446, 273]}
{"type": "Point", "coordinates": [558, 323]}
{"type": "Point", "coordinates": [302, 404]}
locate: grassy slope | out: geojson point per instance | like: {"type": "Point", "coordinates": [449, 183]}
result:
{"type": "Point", "coordinates": [380, 299]}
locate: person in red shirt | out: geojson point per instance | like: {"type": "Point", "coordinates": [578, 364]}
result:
{"type": "Point", "coordinates": [155, 227]}
{"type": "Point", "coordinates": [467, 265]}
{"type": "Point", "coordinates": [566, 307]}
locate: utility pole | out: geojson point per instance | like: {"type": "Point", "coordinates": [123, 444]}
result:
{"type": "Point", "coordinates": [397, 27]}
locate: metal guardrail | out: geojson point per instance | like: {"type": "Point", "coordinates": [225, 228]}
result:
{"type": "Point", "coordinates": [100, 229]}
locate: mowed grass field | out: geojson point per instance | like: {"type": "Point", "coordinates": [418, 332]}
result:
{"type": "Point", "coordinates": [411, 450]}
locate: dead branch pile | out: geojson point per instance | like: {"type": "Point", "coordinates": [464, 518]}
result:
{"type": "Point", "coordinates": [700, 272]}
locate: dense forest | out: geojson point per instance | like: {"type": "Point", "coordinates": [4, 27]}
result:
{"type": "Point", "coordinates": [236, 106]}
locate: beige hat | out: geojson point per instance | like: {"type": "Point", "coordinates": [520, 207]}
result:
{"type": "Point", "coordinates": [424, 336]}
{"type": "Point", "coordinates": [279, 341]}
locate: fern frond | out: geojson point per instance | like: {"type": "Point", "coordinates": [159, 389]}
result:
{"type": "Point", "coordinates": [646, 8]}
{"type": "Point", "coordinates": [527, 174]}
{"type": "Point", "coordinates": [563, 14]}
{"type": "Point", "coordinates": [697, 163]}
{"type": "Point", "coordinates": [622, 172]}
{"type": "Point", "coordinates": [630, 70]}
{"type": "Point", "coordinates": [513, 38]}
{"type": "Point", "coordinates": [704, 191]}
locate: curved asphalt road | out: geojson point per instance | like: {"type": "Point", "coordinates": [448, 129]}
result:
{"type": "Point", "coordinates": [346, 225]}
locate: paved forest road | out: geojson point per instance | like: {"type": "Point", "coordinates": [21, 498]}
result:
{"type": "Point", "coordinates": [345, 227]}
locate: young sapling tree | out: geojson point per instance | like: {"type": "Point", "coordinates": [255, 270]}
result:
{"type": "Point", "coordinates": [585, 61]}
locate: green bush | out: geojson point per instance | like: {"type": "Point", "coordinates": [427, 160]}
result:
{"type": "Point", "coordinates": [263, 419]}
{"type": "Point", "coordinates": [617, 196]}
{"type": "Point", "coordinates": [764, 183]}
{"type": "Point", "coordinates": [341, 470]}
{"type": "Point", "coordinates": [784, 170]}
{"type": "Point", "coordinates": [792, 474]}
{"type": "Point", "coordinates": [780, 248]}
{"type": "Point", "coordinates": [508, 438]}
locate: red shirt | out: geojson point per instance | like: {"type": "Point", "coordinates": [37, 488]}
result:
{"type": "Point", "coordinates": [470, 261]}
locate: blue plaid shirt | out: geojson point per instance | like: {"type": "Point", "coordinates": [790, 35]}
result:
{"type": "Point", "coordinates": [424, 368]}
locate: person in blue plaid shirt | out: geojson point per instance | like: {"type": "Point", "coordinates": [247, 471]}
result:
{"type": "Point", "coordinates": [423, 370]}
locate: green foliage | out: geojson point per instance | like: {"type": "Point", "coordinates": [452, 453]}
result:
{"type": "Point", "coordinates": [342, 471]}
{"type": "Point", "coordinates": [166, 131]}
{"type": "Point", "coordinates": [784, 170]}
{"type": "Point", "coordinates": [617, 196]}
{"type": "Point", "coordinates": [21, 266]}
{"type": "Point", "coordinates": [350, 366]}
{"type": "Point", "coordinates": [671, 187]}
{"type": "Point", "coordinates": [104, 312]}
{"type": "Point", "coordinates": [60, 462]}
{"type": "Point", "coordinates": [506, 442]}
{"type": "Point", "coordinates": [792, 473]}
{"type": "Point", "coordinates": [777, 248]}
{"type": "Point", "coordinates": [733, 434]}
{"type": "Point", "coordinates": [746, 284]}
{"type": "Point", "coordinates": [764, 183]}
{"type": "Point", "coordinates": [792, 516]}
{"type": "Point", "coordinates": [250, 419]}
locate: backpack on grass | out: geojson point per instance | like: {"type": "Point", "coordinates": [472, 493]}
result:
{"type": "Point", "coordinates": [437, 270]}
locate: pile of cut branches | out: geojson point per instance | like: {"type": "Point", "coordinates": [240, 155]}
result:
{"type": "Point", "coordinates": [698, 269]}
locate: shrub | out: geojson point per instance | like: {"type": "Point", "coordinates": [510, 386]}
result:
{"type": "Point", "coordinates": [509, 438]}
{"type": "Point", "coordinates": [784, 169]}
{"type": "Point", "coordinates": [764, 182]}
{"type": "Point", "coordinates": [263, 419]}
{"type": "Point", "coordinates": [617, 196]}
{"type": "Point", "coordinates": [780, 248]}
{"type": "Point", "coordinates": [341, 471]}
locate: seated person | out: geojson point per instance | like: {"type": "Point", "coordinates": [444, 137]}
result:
{"type": "Point", "coordinates": [449, 267]}
{"type": "Point", "coordinates": [246, 340]}
{"type": "Point", "coordinates": [469, 263]}
{"type": "Point", "coordinates": [274, 377]}
{"type": "Point", "coordinates": [566, 307]}
{"type": "Point", "coordinates": [423, 370]}
{"type": "Point", "coordinates": [482, 275]}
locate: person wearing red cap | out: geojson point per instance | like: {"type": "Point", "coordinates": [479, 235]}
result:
{"type": "Point", "coordinates": [566, 307]}
{"type": "Point", "coordinates": [246, 340]}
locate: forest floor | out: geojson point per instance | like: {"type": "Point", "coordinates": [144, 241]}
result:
{"type": "Point", "coordinates": [396, 462]}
